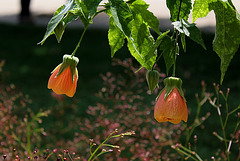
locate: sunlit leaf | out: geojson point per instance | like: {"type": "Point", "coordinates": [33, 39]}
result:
{"type": "Point", "coordinates": [201, 8]}
{"type": "Point", "coordinates": [141, 43]}
{"type": "Point", "coordinates": [69, 18]}
{"type": "Point", "coordinates": [140, 7]}
{"type": "Point", "coordinates": [176, 6]}
{"type": "Point", "coordinates": [56, 19]}
{"type": "Point", "coordinates": [115, 37]}
{"type": "Point", "coordinates": [59, 30]}
{"type": "Point", "coordinates": [227, 37]}
{"type": "Point", "coordinates": [91, 6]}
{"type": "Point", "coordinates": [156, 45]}
{"type": "Point", "coordinates": [82, 11]}
{"type": "Point", "coordinates": [122, 16]}
{"type": "Point", "coordinates": [168, 48]}
{"type": "Point", "coordinates": [190, 30]}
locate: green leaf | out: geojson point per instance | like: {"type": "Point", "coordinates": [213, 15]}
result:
{"type": "Point", "coordinates": [69, 18]}
{"type": "Point", "coordinates": [168, 48]}
{"type": "Point", "coordinates": [56, 19]}
{"type": "Point", "coordinates": [59, 30]}
{"type": "Point", "coordinates": [183, 42]}
{"type": "Point", "coordinates": [227, 37]}
{"type": "Point", "coordinates": [201, 8]}
{"type": "Point", "coordinates": [152, 52]}
{"type": "Point", "coordinates": [190, 30]}
{"type": "Point", "coordinates": [115, 37]}
{"type": "Point", "coordinates": [141, 43]}
{"type": "Point", "coordinates": [140, 7]}
{"type": "Point", "coordinates": [82, 11]}
{"type": "Point", "coordinates": [156, 45]}
{"type": "Point", "coordinates": [174, 5]}
{"type": "Point", "coordinates": [122, 16]}
{"type": "Point", "coordinates": [91, 6]}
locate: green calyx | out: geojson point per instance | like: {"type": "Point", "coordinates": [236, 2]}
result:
{"type": "Point", "coordinates": [171, 83]}
{"type": "Point", "coordinates": [71, 62]}
{"type": "Point", "coordinates": [152, 77]}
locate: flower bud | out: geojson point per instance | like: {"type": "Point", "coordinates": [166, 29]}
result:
{"type": "Point", "coordinates": [171, 105]}
{"type": "Point", "coordinates": [152, 77]}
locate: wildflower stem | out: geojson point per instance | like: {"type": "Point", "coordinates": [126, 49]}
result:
{"type": "Point", "coordinates": [195, 123]}
{"type": "Point", "coordinates": [187, 154]}
{"type": "Point", "coordinates": [236, 127]}
{"type": "Point", "coordinates": [29, 138]}
{"type": "Point", "coordinates": [223, 131]}
{"type": "Point", "coordinates": [79, 42]}
{"type": "Point", "coordinates": [226, 119]}
{"type": "Point", "coordinates": [234, 110]}
{"type": "Point", "coordinates": [98, 155]}
{"type": "Point", "coordinates": [109, 137]}
{"type": "Point", "coordinates": [48, 156]}
{"type": "Point", "coordinates": [70, 157]}
{"type": "Point", "coordinates": [191, 152]}
{"type": "Point", "coordinates": [21, 143]}
{"type": "Point", "coordinates": [223, 125]}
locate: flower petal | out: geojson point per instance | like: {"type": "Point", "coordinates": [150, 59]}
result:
{"type": "Point", "coordinates": [173, 109]}
{"type": "Point", "coordinates": [61, 84]}
{"type": "Point", "coordinates": [72, 90]}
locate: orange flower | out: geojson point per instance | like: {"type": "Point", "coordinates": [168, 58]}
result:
{"type": "Point", "coordinates": [64, 77]}
{"type": "Point", "coordinates": [171, 105]}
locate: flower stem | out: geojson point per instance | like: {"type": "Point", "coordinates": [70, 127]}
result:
{"type": "Point", "coordinates": [79, 42]}
{"type": "Point", "coordinates": [92, 154]}
{"type": "Point", "coordinates": [176, 40]}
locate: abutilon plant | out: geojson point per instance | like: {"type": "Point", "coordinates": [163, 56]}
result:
{"type": "Point", "coordinates": [171, 105]}
{"type": "Point", "coordinates": [64, 77]}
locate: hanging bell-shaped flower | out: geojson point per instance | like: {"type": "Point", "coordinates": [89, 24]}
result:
{"type": "Point", "coordinates": [171, 105]}
{"type": "Point", "coordinates": [64, 77]}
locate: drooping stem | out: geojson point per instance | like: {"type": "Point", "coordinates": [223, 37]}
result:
{"type": "Point", "coordinates": [179, 10]}
{"type": "Point", "coordinates": [79, 42]}
{"type": "Point", "coordinates": [176, 34]}
{"type": "Point", "coordinates": [176, 50]}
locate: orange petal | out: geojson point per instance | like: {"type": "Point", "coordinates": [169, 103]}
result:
{"type": "Point", "coordinates": [62, 83]}
{"type": "Point", "coordinates": [72, 90]}
{"type": "Point", "coordinates": [173, 109]}
{"type": "Point", "coordinates": [52, 80]}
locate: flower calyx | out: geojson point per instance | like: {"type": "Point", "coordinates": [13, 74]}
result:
{"type": "Point", "coordinates": [68, 61]}
{"type": "Point", "coordinates": [171, 83]}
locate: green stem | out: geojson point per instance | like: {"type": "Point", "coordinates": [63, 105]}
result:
{"type": "Point", "coordinates": [223, 131]}
{"type": "Point", "coordinates": [234, 110]}
{"type": "Point", "coordinates": [187, 154]}
{"type": "Point", "coordinates": [176, 40]}
{"type": "Point", "coordinates": [109, 137]}
{"type": "Point", "coordinates": [29, 139]}
{"type": "Point", "coordinates": [79, 42]}
{"type": "Point", "coordinates": [191, 152]}
{"type": "Point", "coordinates": [158, 59]}
{"type": "Point", "coordinates": [70, 157]}
{"type": "Point", "coordinates": [174, 68]}
{"type": "Point", "coordinates": [179, 10]}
